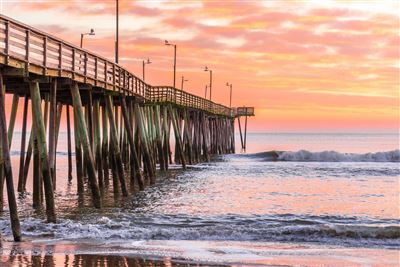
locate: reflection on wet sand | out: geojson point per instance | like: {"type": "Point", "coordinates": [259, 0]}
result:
{"type": "Point", "coordinates": [16, 258]}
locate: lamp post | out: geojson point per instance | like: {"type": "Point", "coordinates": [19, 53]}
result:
{"type": "Point", "coordinates": [205, 93]}
{"type": "Point", "coordinates": [144, 64]}
{"type": "Point", "coordinates": [183, 80]}
{"type": "Point", "coordinates": [230, 95]}
{"type": "Point", "coordinates": [207, 69]}
{"type": "Point", "coordinates": [167, 43]}
{"type": "Point", "coordinates": [116, 31]}
{"type": "Point", "coordinates": [87, 33]}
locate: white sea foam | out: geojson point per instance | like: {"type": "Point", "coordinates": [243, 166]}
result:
{"type": "Point", "coordinates": [334, 156]}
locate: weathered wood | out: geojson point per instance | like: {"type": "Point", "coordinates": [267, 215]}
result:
{"type": "Point", "coordinates": [78, 156]}
{"type": "Point", "coordinates": [37, 177]}
{"type": "Point", "coordinates": [87, 150]}
{"type": "Point", "coordinates": [28, 156]}
{"type": "Point", "coordinates": [178, 138]}
{"type": "Point", "coordinates": [69, 143]}
{"type": "Point", "coordinates": [12, 204]}
{"type": "Point", "coordinates": [161, 157]}
{"type": "Point", "coordinates": [147, 164]}
{"type": "Point", "coordinates": [13, 115]}
{"type": "Point", "coordinates": [52, 129]}
{"type": "Point", "coordinates": [245, 132]}
{"type": "Point", "coordinates": [104, 146]}
{"type": "Point", "coordinates": [10, 135]}
{"type": "Point", "coordinates": [97, 141]}
{"type": "Point", "coordinates": [41, 137]}
{"type": "Point", "coordinates": [21, 183]}
{"type": "Point", "coordinates": [240, 132]}
{"type": "Point", "coordinates": [135, 169]}
{"type": "Point", "coordinates": [114, 140]}
{"type": "Point", "coordinates": [58, 123]}
{"type": "Point", "coordinates": [187, 137]}
{"type": "Point", "coordinates": [165, 131]}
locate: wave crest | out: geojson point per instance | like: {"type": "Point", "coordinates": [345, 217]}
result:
{"type": "Point", "coordinates": [332, 156]}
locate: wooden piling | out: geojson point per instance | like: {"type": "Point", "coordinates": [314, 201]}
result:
{"type": "Point", "coordinates": [114, 140]}
{"type": "Point", "coordinates": [178, 138]}
{"type": "Point", "coordinates": [37, 177]}
{"type": "Point", "coordinates": [104, 146]}
{"type": "Point", "coordinates": [97, 141]}
{"type": "Point", "coordinates": [12, 204]}
{"type": "Point", "coordinates": [69, 144]}
{"type": "Point", "coordinates": [52, 129]}
{"type": "Point", "coordinates": [147, 161]}
{"type": "Point", "coordinates": [87, 150]}
{"type": "Point", "coordinates": [135, 168]}
{"type": "Point", "coordinates": [165, 131]}
{"type": "Point", "coordinates": [41, 137]}
{"type": "Point", "coordinates": [21, 183]}
{"type": "Point", "coordinates": [78, 156]}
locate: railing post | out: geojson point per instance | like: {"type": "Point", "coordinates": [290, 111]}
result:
{"type": "Point", "coordinates": [73, 63]}
{"type": "Point", "coordinates": [113, 77]}
{"type": "Point", "coordinates": [95, 70]}
{"type": "Point", "coordinates": [60, 46]}
{"type": "Point", "coordinates": [7, 40]}
{"type": "Point", "coordinates": [45, 55]}
{"type": "Point", "coordinates": [105, 73]}
{"type": "Point", "coordinates": [85, 58]}
{"type": "Point", "coordinates": [28, 37]}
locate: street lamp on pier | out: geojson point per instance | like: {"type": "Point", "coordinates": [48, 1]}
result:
{"type": "Point", "coordinates": [183, 80]}
{"type": "Point", "coordinates": [207, 69]}
{"type": "Point", "coordinates": [174, 45]}
{"type": "Point", "coordinates": [144, 64]}
{"type": "Point", "coordinates": [230, 94]}
{"type": "Point", "coordinates": [87, 33]}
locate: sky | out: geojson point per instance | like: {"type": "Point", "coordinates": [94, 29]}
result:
{"type": "Point", "coordinates": [304, 65]}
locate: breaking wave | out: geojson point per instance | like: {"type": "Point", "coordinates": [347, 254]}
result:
{"type": "Point", "coordinates": [350, 231]}
{"type": "Point", "coordinates": [330, 156]}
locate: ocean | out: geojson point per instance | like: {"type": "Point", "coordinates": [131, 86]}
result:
{"type": "Point", "coordinates": [292, 199]}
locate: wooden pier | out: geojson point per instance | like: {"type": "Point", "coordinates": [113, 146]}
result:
{"type": "Point", "coordinates": [119, 123]}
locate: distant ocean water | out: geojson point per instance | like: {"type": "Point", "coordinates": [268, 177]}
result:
{"type": "Point", "coordinates": [289, 195]}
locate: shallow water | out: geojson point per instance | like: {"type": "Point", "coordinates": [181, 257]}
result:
{"type": "Point", "coordinates": [242, 209]}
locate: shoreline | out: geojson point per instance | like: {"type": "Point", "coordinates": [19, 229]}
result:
{"type": "Point", "coordinates": [189, 253]}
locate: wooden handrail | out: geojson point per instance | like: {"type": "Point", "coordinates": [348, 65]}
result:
{"type": "Point", "coordinates": [48, 55]}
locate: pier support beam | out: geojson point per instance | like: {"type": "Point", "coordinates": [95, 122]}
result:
{"type": "Point", "coordinates": [15, 224]}
{"type": "Point", "coordinates": [84, 138]}
{"type": "Point", "coordinates": [40, 133]}
{"type": "Point", "coordinates": [21, 178]}
{"type": "Point", "coordinates": [115, 146]}
{"type": "Point", "coordinates": [135, 165]}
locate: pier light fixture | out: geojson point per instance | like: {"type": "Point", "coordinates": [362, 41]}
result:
{"type": "Point", "coordinates": [174, 45]}
{"type": "Point", "coordinates": [144, 64]}
{"type": "Point", "coordinates": [210, 86]}
{"type": "Point", "coordinates": [183, 80]}
{"type": "Point", "coordinates": [87, 33]}
{"type": "Point", "coordinates": [230, 94]}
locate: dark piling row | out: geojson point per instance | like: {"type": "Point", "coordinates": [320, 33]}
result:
{"type": "Point", "coordinates": [114, 134]}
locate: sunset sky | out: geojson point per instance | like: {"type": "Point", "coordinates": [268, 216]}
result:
{"type": "Point", "coordinates": [304, 65]}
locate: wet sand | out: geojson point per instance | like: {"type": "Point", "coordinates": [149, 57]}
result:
{"type": "Point", "coordinates": [52, 253]}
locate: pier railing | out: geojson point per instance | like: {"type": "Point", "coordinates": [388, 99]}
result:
{"type": "Point", "coordinates": [34, 51]}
